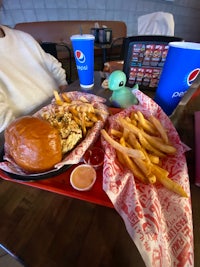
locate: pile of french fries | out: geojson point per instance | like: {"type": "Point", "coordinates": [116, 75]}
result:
{"type": "Point", "coordinates": [83, 112]}
{"type": "Point", "coordinates": [141, 144]}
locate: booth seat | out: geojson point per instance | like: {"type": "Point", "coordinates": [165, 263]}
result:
{"type": "Point", "coordinates": [58, 33]}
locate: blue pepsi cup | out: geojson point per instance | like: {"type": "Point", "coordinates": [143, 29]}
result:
{"type": "Point", "coordinates": [181, 67]}
{"type": "Point", "coordinates": [83, 46]}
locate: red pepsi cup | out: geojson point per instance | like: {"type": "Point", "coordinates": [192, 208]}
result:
{"type": "Point", "coordinates": [83, 46]}
{"type": "Point", "coordinates": [181, 67]}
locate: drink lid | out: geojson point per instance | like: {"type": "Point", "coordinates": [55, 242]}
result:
{"type": "Point", "coordinates": [186, 45]}
{"type": "Point", "coordinates": [82, 36]}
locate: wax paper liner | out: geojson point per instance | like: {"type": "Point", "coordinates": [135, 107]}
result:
{"type": "Point", "coordinates": [158, 220]}
{"type": "Point", "coordinates": [76, 154]}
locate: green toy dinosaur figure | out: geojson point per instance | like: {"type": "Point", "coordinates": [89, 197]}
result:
{"type": "Point", "coordinates": [122, 96]}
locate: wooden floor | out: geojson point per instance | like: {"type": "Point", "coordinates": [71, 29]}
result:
{"type": "Point", "coordinates": [93, 235]}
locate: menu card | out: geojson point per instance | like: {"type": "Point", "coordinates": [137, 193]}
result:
{"type": "Point", "coordinates": [158, 220]}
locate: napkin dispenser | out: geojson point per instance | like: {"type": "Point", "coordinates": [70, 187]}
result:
{"type": "Point", "coordinates": [105, 36]}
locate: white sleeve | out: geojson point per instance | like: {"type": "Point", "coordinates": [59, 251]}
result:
{"type": "Point", "coordinates": [54, 67]}
{"type": "Point", "coordinates": [51, 63]}
{"type": "Point", "coordinates": [6, 114]}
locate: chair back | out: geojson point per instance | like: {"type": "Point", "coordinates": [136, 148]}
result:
{"type": "Point", "coordinates": [144, 57]}
{"type": "Point", "coordinates": [156, 23]}
{"type": "Point", "coordinates": [50, 48]}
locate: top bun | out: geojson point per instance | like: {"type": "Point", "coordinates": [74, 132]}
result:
{"type": "Point", "coordinates": [33, 143]}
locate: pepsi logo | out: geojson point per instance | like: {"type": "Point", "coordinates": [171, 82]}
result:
{"type": "Point", "coordinates": [192, 76]}
{"type": "Point", "coordinates": [80, 56]}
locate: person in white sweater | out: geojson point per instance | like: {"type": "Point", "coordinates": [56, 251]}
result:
{"type": "Point", "coordinates": [28, 75]}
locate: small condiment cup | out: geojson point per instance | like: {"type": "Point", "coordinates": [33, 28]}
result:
{"type": "Point", "coordinates": [83, 177]}
{"type": "Point", "coordinates": [94, 156]}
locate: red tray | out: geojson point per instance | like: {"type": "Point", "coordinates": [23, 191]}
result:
{"type": "Point", "coordinates": [61, 183]}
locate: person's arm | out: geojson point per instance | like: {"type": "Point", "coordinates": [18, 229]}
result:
{"type": "Point", "coordinates": [53, 66]}
{"type": "Point", "coordinates": [56, 70]}
{"type": "Point", "coordinates": [6, 114]}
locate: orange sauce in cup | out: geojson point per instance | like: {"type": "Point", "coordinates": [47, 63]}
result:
{"type": "Point", "coordinates": [83, 177]}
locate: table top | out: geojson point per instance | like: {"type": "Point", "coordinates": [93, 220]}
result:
{"type": "Point", "coordinates": [47, 229]}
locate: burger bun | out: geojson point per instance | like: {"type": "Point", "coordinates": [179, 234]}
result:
{"type": "Point", "coordinates": [33, 144]}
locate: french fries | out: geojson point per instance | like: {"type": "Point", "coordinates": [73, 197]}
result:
{"type": "Point", "coordinates": [160, 129]}
{"type": "Point", "coordinates": [126, 161]}
{"type": "Point", "coordinates": [135, 153]}
{"type": "Point", "coordinates": [57, 98]}
{"type": "Point", "coordinates": [83, 112]}
{"type": "Point", "coordinates": [155, 141]}
{"type": "Point", "coordinates": [141, 144]}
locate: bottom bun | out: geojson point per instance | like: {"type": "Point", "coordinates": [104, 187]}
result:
{"type": "Point", "coordinates": [33, 144]}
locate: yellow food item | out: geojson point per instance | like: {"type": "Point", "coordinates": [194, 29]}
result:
{"type": "Point", "coordinates": [141, 143]}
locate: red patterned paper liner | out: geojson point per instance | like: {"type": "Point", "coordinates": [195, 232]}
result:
{"type": "Point", "coordinates": [158, 220]}
{"type": "Point", "coordinates": [77, 153]}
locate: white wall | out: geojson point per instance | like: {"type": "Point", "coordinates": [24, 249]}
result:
{"type": "Point", "coordinates": [186, 12]}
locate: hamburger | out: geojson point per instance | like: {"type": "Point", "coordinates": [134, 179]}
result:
{"type": "Point", "coordinates": [33, 143]}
